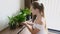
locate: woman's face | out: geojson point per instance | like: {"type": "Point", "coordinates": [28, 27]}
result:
{"type": "Point", "coordinates": [33, 10]}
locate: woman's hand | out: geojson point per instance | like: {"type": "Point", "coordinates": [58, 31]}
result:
{"type": "Point", "coordinates": [24, 23]}
{"type": "Point", "coordinates": [27, 23]}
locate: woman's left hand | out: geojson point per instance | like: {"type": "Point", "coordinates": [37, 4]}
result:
{"type": "Point", "coordinates": [24, 23]}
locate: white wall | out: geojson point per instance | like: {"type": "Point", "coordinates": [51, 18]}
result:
{"type": "Point", "coordinates": [52, 13]}
{"type": "Point", "coordinates": [8, 8]}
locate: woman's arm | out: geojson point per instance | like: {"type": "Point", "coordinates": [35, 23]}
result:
{"type": "Point", "coordinates": [31, 29]}
{"type": "Point", "coordinates": [30, 23]}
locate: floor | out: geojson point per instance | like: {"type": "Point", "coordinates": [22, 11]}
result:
{"type": "Point", "coordinates": [25, 31]}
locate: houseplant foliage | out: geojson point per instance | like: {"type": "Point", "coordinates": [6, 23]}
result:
{"type": "Point", "coordinates": [12, 23]}
{"type": "Point", "coordinates": [19, 18]}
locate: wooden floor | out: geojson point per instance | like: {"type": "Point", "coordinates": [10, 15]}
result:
{"type": "Point", "coordinates": [8, 31]}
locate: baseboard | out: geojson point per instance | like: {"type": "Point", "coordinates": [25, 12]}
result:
{"type": "Point", "coordinates": [4, 29]}
{"type": "Point", "coordinates": [53, 30]}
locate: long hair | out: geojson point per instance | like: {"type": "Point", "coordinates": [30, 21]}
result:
{"type": "Point", "coordinates": [37, 5]}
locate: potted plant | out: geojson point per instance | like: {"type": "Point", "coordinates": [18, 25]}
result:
{"type": "Point", "coordinates": [19, 18]}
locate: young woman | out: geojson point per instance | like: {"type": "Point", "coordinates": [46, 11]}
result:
{"type": "Point", "coordinates": [38, 26]}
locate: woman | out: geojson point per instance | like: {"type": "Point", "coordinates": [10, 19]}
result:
{"type": "Point", "coordinates": [38, 26]}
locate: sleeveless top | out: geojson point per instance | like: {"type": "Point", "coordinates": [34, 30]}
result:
{"type": "Point", "coordinates": [40, 27]}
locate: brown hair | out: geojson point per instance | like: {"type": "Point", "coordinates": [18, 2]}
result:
{"type": "Point", "coordinates": [37, 5]}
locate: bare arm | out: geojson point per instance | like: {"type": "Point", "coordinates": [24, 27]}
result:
{"type": "Point", "coordinates": [31, 28]}
{"type": "Point", "coordinates": [30, 23]}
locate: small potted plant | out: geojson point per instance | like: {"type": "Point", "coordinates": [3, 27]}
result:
{"type": "Point", "coordinates": [19, 18]}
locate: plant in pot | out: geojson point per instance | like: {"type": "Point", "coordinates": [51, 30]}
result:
{"type": "Point", "coordinates": [19, 18]}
